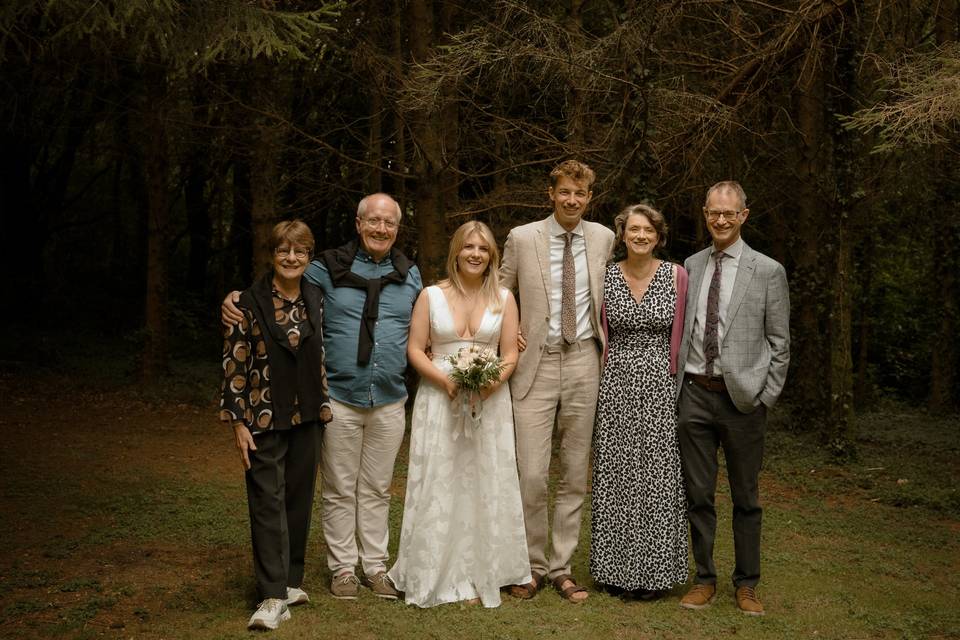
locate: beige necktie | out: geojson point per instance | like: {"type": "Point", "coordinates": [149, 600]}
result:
{"type": "Point", "coordinates": [568, 289]}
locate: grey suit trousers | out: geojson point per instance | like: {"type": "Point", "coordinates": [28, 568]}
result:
{"type": "Point", "coordinates": [706, 421]}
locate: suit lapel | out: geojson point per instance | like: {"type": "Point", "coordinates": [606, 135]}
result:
{"type": "Point", "coordinates": [698, 266]}
{"type": "Point", "coordinates": [594, 274]}
{"type": "Point", "coordinates": [748, 264]}
{"type": "Point", "coordinates": [543, 256]}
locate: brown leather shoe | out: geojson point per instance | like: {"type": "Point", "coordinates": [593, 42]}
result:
{"type": "Point", "coordinates": [748, 602]}
{"type": "Point", "coordinates": [699, 597]}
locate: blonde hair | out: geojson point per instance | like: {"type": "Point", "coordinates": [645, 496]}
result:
{"type": "Point", "coordinates": [490, 290]}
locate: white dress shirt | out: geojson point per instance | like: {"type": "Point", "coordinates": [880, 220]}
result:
{"type": "Point", "coordinates": [578, 246]}
{"type": "Point", "coordinates": [696, 361]}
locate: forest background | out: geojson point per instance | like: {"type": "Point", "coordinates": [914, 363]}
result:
{"type": "Point", "coordinates": [148, 146]}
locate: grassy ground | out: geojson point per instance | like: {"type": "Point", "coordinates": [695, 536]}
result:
{"type": "Point", "coordinates": [122, 515]}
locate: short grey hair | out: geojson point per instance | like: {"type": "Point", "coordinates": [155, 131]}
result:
{"type": "Point", "coordinates": [362, 207]}
{"type": "Point", "coordinates": [728, 185]}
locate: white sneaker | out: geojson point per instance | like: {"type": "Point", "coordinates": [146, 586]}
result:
{"type": "Point", "coordinates": [269, 614]}
{"type": "Point", "coordinates": [296, 595]}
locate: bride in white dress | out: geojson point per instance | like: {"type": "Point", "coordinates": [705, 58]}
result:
{"type": "Point", "coordinates": [462, 536]}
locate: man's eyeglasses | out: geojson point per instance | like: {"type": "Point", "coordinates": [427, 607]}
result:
{"type": "Point", "coordinates": [299, 252]}
{"type": "Point", "coordinates": [713, 216]}
{"type": "Point", "coordinates": [375, 223]}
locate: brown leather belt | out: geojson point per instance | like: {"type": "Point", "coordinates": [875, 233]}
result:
{"type": "Point", "coordinates": [710, 383]}
{"type": "Point", "coordinates": [579, 345]}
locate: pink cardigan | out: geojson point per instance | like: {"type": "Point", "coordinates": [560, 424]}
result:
{"type": "Point", "coordinates": [676, 333]}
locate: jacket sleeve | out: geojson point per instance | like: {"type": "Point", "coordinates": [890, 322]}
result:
{"type": "Point", "coordinates": [676, 332]}
{"type": "Point", "coordinates": [234, 404]}
{"type": "Point", "coordinates": [326, 409]}
{"type": "Point", "coordinates": [508, 266]}
{"type": "Point", "coordinates": [777, 333]}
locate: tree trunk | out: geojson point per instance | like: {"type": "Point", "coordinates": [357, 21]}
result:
{"type": "Point", "coordinates": [272, 94]}
{"type": "Point", "coordinates": [810, 283]}
{"type": "Point", "coordinates": [430, 217]}
{"type": "Point", "coordinates": [839, 426]}
{"type": "Point", "coordinates": [449, 122]}
{"type": "Point", "coordinates": [375, 142]}
{"type": "Point", "coordinates": [198, 222]}
{"type": "Point", "coordinates": [577, 125]}
{"type": "Point", "coordinates": [863, 389]}
{"type": "Point", "coordinates": [399, 130]}
{"type": "Point", "coordinates": [264, 186]}
{"type": "Point", "coordinates": [19, 217]}
{"type": "Point", "coordinates": [241, 231]}
{"type": "Point", "coordinates": [837, 431]}
{"type": "Point", "coordinates": [943, 363]}
{"type": "Point", "coordinates": [156, 168]}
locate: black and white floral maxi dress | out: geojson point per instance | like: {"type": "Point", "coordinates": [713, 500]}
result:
{"type": "Point", "coordinates": [639, 532]}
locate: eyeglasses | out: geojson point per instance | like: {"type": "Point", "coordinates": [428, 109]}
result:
{"type": "Point", "coordinates": [713, 216]}
{"type": "Point", "coordinates": [375, 223]}
{"type": "Point", "coordinates": [299, 252]}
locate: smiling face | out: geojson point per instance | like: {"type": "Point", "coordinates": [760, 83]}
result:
{"type": "Point", "coordinates": [474, 257]}
{"type": "Point", "coordinates": [570, 199]}
{"type": "Point", "coordinates": [724, 214]}
{"type": "Point", "coordinates": [290, 261]}
{"type": "Point", "coordinates": [640, 236]}
{"type": "Point", "coordinates": [378, 225]}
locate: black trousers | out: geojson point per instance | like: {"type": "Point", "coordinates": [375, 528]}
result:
{"type": "Point", "coordinates": [280, 488]}
{"type": "Point", "coordinates": [708, 420]}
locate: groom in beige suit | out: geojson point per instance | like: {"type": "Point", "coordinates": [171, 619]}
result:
{"type": "Point", "coordinates": [556, 266]}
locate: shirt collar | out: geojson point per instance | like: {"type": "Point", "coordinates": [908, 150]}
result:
{"type": "Point", "coordinates": [363, 256]}
{"type": "Point", "coordinates": [276, 294]}
{"type": "Point", "coordinates": [557, 230]}
{"type": "Point", "coordinates": [734, 250]}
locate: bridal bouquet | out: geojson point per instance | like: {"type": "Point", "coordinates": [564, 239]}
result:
{"type": "Point", "coordinates": [473, 368]}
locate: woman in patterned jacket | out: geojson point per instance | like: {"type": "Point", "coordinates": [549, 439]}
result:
{"type": "Point", "coordinates": [274, 396]}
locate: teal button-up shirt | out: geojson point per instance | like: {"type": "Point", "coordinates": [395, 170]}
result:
{"type": "Point", "coordinates": [380, 381]}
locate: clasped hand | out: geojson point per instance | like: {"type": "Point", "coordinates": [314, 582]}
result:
{"type": "Point", "coordinates": [452, 389]}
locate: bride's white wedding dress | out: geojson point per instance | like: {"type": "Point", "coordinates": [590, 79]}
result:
{"type": "Point", "coordinates": [462, 535]}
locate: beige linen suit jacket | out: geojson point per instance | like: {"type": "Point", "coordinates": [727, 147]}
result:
{"type": "Point", "coordinates": [755, 351]}
{"type": "Point", "coordinates": [525, 270]}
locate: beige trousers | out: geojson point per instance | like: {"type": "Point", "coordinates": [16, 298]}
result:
{"type": "Point", "coordinates": [564, 393]}
{"type": "Point", "coordinates": [359, 449]}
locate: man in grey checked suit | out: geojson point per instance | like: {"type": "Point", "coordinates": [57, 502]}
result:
{"type": "Point", "coordinates": [733, 359]}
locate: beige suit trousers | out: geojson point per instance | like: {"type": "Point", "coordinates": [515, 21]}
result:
{"type": "Point", "coordinates": [564, 393]}
{"type": "Point", "coordinates": [359, 449]}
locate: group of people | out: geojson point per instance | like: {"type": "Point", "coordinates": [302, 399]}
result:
{"type": "Point", "coordinates": [652, 365]}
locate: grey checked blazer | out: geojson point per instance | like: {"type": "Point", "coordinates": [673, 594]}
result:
{"type": "Point", "coordinates": [755, 351]}
{"type": "Point", "coordinates": [525, 269]}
